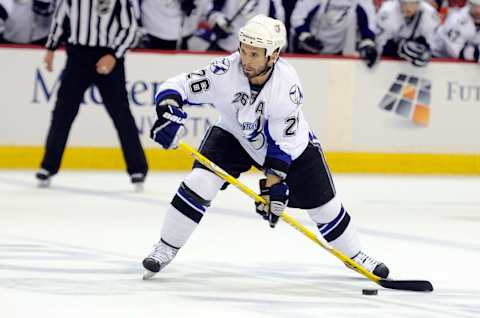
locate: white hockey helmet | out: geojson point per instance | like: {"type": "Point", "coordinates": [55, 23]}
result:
{"type": "Point", "coordinates": [264, 32]}
{"type": "Point", "coordinates": [474, 2]}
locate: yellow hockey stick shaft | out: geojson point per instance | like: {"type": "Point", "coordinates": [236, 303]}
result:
{"type": "Point", "coordinates": [287, 218]}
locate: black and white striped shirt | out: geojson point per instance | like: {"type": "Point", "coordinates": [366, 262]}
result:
{"type": "Point", "coordinates": [95, 23]}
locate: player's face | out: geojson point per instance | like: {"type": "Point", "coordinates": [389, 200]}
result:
{"type": "Point", "coordinates": [254, 61]}
{"type": "Point", "coordinates": [475, 13]}
{"type": "Point", "coordinates": [409, 9]}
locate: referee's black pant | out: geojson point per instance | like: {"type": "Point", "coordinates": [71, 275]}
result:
{"type": "Point", "coordinates": [79, 73]}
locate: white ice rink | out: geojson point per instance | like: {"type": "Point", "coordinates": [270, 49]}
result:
{"type": "Point", "coordinates": [75, 250]}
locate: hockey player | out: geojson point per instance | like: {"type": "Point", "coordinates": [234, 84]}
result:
{"type": "Point", "coordinates": [227, 16]}
{"type": "Point", "coordinates": [459, 36]}
{"type": "Point", "coordinates": [259, 98]}
{"type": "Point", "coordinates": [321, 27]}
{"type": "Point", "coordinates": [405, 29]}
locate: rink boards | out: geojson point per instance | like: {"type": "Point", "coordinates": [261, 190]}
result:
{"type": "Point", "coordinates": [394, 118]}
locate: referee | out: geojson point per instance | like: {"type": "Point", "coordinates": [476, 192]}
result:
{"type": "Point", "coordinates": [100, 32]}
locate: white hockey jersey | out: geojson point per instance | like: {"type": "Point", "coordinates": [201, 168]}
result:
{"type": "Point", "coordinates": [164, 18]}
{"type": "Point", "coordinates": [6, 6]}
{"type": "Point", "coordinates": [231, 9]}
{"type": "Point", "coordinates": [391, 24]}
{"type": "Point", "coordinates": [5, 10]}
{"type": "Point", "coordinates": [23, 24]}
{"type": "Point", "coordinates": [270, 124]}
{"type": "Point", "coordinates": [457, 31]}
{"type": "Point", "coordinates": [330, 20]}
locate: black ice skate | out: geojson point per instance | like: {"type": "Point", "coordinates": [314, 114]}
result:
{"type": "Point", "coordinates": [137, 179]}
{"type": "Point", "coordinates": [160, 257]}
{"type": "Point", "coordinates": [43, 177]}
{"type": "Point", "coordinates": [370, 264]}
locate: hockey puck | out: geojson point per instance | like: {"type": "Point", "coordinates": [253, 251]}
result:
{"type": "Point", "coordinates": [370, 291]}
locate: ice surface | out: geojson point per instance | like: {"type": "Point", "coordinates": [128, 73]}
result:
{"type": "Point", "coordinates": [75, 250]}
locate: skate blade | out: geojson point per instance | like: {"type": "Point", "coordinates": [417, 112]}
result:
{"type": "Point", "coordinates": [138, 187]}
{"type": "Point", "coordinates": [43, 184]}
{"type": "Point", "coordinates": [148, 274]}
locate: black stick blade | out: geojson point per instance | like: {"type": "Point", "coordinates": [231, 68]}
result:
{"type": "Point", "coordinates": [412, 285]}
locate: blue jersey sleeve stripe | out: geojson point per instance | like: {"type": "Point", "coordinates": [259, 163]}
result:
{"type": "Point", "coordinates": [187, 102]}
{"type": "Point", "coordinates": [274, 151]}
{"type": "Point", "coordinates": [305, 27]}
{"type": "Point", "coordinates": [362, 22]}
{"type": "Point", "coordinates": [169, 93]}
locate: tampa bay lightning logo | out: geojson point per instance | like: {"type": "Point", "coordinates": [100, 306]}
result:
{"type": "Point", "coordinates": [256, 137]}
{"type": "Point", "coordinates": [220, 66]}
{"type": "Point", "coordinates": [257, 141]}
{"type": "Point", "coordinates": [296, 95]}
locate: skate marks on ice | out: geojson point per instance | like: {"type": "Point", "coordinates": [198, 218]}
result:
{"type": "Point", "coordinates": [420, 239]}
{"type": "Point", "coordinates": [60, 269]}
{"type": "Point", "coordinates": [279, 289]}
{"type": "Point", "coordinates": [466, 218]}
{"type": "Point", "coordinates": [90, 190]}
{"type": "Point", "coordinates": [160, 198]}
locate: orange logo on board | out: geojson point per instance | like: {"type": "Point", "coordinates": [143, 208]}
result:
{"type": "Point", "coordinates": [409, 97]}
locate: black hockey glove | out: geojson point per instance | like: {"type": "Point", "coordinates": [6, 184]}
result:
{"type": "Point", "coordinates": [187, 6]}
{"type": "Point", "coordinates": [308, 42]}
{"type": "Point", "coordinates": [220, 25]}
{"type": "Point", "coordinates": [261, 208]}
{"type": "Point", "coordinates": [470, 52]}
{"type": "Point", "coordinates": [168, 128]}
{"type": "Point", "coordinates": [414, 52]}
{"type": "Point", "coordinates": [277, 199]}
{"type": "Point", "coordinates": [43, 7]}
{"type": "Point", "coordinates": [368, 52]}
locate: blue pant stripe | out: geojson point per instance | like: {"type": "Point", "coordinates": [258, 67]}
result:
{"type": "Point", "coordinates": [189, 200]}
{"type": "Point", "coordinates": [325, 228]}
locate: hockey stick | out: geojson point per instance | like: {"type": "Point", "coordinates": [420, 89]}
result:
{"type": "Point", "coordinates": [412, 285]}
{"type": "Point", "coordinates": [213, 43]}
{"type": "Point", "coordinates": [178, 45]}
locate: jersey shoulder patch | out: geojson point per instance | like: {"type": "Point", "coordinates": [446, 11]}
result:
{"type": "Point", "coordinates": [296, 94]}
{"type": "Point", "coordinates": [220, 65]}
{"type": "Point", "coordinates": [291, 83]}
